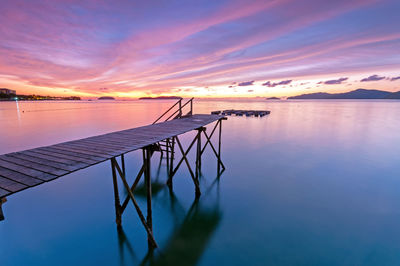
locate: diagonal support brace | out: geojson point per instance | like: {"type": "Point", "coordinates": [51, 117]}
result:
{"type": "Point", "coordinates": [117, 169]}
{"type": "Point", "coordinates": [184, 159]}
{"type": "Point", "coordinates": [209, 142]}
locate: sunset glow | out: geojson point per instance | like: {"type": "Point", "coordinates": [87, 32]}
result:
{"type": "Point", "coordinates": [235, 48]}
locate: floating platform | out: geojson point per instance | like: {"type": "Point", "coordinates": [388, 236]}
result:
{"type": "Point", "coordinates": [256, 113]}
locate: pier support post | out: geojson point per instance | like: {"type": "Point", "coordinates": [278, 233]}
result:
{"type": "Point", "coordinates": [118, 214]}
{"type": "Point", "coordinates": [184, 158]}
{"type": "Point", "coordinates": [219, 148]}
{"type": "Point", "coordinates": [147, 176]}
{"type": "Point", "coordinates": [198, 152]}
{"type": "Point", "coordinates": [2, 200]}
{"type": "Point", "coordinates": [167, 154]}
{"type": "Point", "coordinates": [123, 164]}
{"type": "Point", "coordinates": [116, 169]}
{"type": "Point", "coordinates": [171, 162]}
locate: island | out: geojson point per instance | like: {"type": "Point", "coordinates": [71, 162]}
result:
{"type": "Point", "coordinates": [106, 98]}
{"type": "Point", "coordinates": [19, 97]}
{"type": "Point", "coordinates": [272, 98]}
{"type": "Point", "coordinates": [161, 98]}
{"type": "Point", "coordinates": [355, 94]}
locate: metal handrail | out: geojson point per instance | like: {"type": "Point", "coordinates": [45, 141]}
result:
{"type": "Point", "coordinates": [180, 108]}
{"type": "Point", "coordinates": [167, 111]}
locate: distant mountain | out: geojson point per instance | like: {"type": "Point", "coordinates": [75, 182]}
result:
{"type": "Point", "coordinates": [272, 98]}
{"type": "Point", "coordinates": [161, 98]}
{"type": "Point", "coordinates": [356, 94]}
{"type": "Point", "coordinates": [394, 95]}
{"type": "Point", "coordinates": [106, 98]}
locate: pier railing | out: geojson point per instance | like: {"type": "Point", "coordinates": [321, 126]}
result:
{"type": "Point", "coordinates": [178, 113]}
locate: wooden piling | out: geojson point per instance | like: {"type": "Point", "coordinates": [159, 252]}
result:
{"type": "Point", "coordinates": [219, 147]}
{"type": "Point", "coordinates": [2, 200]}
{"type": "Point", "coordinates": [147, 174]}
{"type": "Point", "coordinates": [117, 204]}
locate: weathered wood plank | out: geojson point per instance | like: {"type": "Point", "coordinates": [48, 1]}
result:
{"type": "Point", "coordinates": [46, 151]}
{"type": "Point", "coordinates": [104, 144]}
{"type": "Point", "coordinates": [78, 150]}
{"type": "Point", "coordinates": [42, 161]}
{"type": "Point", "coordinates": [115, 139]}
{"type": "Point", "coordinates": [19, 177]}
{"type": "Point", "coordinates": [4, 192]}
{"type": "Point", "coordinates": [26, 171]}
{"type": "Point", "coordinates": [116, 146]}
{"type": "Point", "coordinates": [75, 154]}
{"type": "Point", "coordinates": [40, 167]}
{"type": "Point", "coordinates": [74, 164]}
{"type": "Point", "coordinates": [118, 140]}
{"type": "Point", "coordinates": [94, 148]}
{"type": "Point", "coordinates": [10, 185]}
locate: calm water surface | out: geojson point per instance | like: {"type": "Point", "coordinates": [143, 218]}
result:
{"type": "Point", "coordinates": [314, 183]}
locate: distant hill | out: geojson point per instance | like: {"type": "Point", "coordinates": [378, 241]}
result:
{"type": "Point", "coordinates": [272, 98]}
{"type": "Point", "coordinates": [356, 94]}
{"type": "Point", "coordinates": [106, 98]}
{"type": "Point", "coordinates": [393, 95]}
{"type": "Point", "coordinates": [161, 98]}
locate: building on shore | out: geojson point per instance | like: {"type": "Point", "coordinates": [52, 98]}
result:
{"type": "Point", "coordinates": [7, 91]}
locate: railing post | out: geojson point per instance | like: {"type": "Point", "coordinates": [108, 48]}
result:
{"type": "Point", "coordinates": [180, 108]}
{"type": "Point", "coordinates": [191, 106]}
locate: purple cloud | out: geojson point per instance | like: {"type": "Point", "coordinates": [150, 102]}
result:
{"type": "Point", "coordinates": [335, 81]}
{"type": "Point", "coordinates": [395, 78]}
{"type": "Point", "coordinates": [246, 83]}
{"type": "Point", "coordinates": [372, 78]}
{"type": "Point", "coordinates": [271, 85]}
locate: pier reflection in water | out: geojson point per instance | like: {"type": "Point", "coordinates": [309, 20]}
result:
{"type": "Point", "coordinates": [192, 228]}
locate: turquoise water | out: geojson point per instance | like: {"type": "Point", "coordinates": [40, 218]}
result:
{"type": "Point", "coordinates": [313, 183]}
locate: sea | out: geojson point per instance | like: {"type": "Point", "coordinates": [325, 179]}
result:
{"type": "Point", "coordinates": [315, 182]}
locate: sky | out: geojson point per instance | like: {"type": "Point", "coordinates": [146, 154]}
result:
{"type": "Point", "coordinates": [214, 48]}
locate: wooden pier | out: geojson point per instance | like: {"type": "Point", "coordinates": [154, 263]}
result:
{"type": "Point", "coordinates": [29, 168]}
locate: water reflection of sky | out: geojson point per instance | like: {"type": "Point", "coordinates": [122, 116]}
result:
{"type": "Point", "coordinates": [312, 183]}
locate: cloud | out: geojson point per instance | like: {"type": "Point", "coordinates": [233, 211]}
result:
{"type": "Point", "coordinates": [372, 78]}
{"type": "Point", "coordinates": [250, 90]}
{"type": "Point", "coordinates": [395, 78]}
{"type": "Point", "coordinates": [246, 83]}
{"type": "Point", "coordinates": [335, 81]}
{"type": "Point", "coordinates": [271, 85]}
{"type": "Point", "coordinates": [155, 46]}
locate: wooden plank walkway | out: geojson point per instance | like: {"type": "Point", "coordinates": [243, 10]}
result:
{"type": "Point", "coordinates": [29, 168]}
